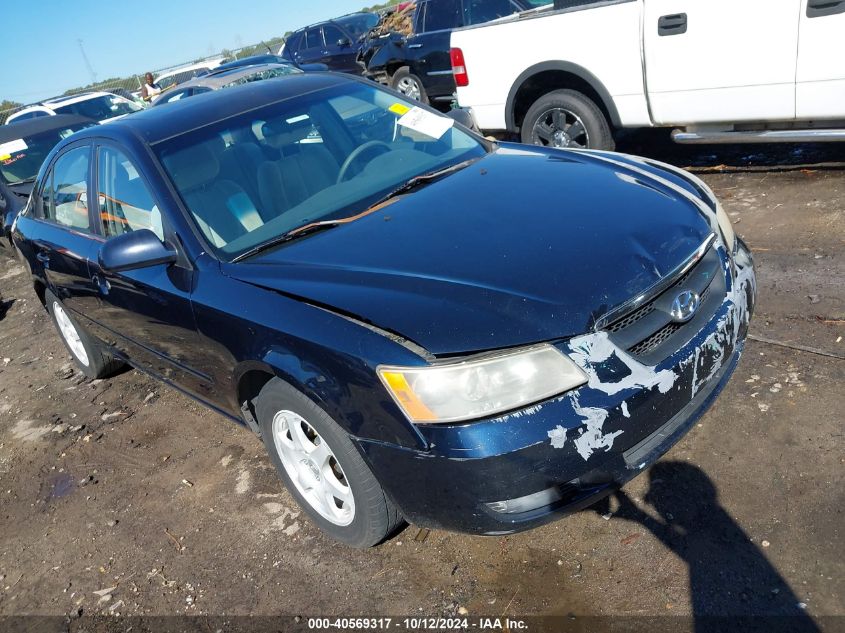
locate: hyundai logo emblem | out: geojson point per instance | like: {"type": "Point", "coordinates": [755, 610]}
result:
{"type": "Point", "coordinates": [684, 306]}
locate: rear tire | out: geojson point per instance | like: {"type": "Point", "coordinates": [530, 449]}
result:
{"type": "Point", "coordinates": [409, 84]}
{"type": "Point", "coordinates": [566, 119]}
{"type": "Point", "coordinates": [322, 469]}
{"type": "Point", "coordinates": [88, 353]}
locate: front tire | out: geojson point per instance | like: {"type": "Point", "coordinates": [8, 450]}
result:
{"type": "Point", "coordinates": [409, 84]}
{"type": "Point", "coordinates": [322, 469]}
{"type": "Point", "coordinates": [566, 119]}
{"type": "Point", "coordinates": [90, 356]}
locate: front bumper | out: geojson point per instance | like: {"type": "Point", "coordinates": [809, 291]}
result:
{"type": "Point", "coordinates": [532, 466]}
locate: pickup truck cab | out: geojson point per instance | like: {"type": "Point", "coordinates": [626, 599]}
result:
{"type": "Point", "coordinates": [717, 71]}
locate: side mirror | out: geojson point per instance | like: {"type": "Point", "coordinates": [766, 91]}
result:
{"type": "Point", "coordinates": [464, 117]}
{"type": "Point", "coordinates": [343, 42]}
{"type": "Point", "coordinates": [137, 249]}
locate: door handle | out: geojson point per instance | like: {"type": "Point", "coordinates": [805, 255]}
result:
{"type": "Point", "coordinates": [822, 8]}
{"type": "Point", "coordinates": [675, 24]}
{"type": "Point", "coordinates": [414, 45]}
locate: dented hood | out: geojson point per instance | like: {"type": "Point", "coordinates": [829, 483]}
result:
{"type": "Point", "coordinates": [525, 245]}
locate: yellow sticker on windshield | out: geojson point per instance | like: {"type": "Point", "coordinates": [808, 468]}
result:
{"type": "Point", "coordinates": [5, 157]}
{"type": "Point", "coordinates": [399, 108]}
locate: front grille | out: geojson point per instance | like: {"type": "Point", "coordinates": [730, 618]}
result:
{"type": "Point", "coordinates": [648, 331]}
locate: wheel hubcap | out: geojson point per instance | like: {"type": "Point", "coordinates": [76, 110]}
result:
{"type": "Point", "coordinates": [409, 87]}
{"type": "Point", "coordinates": [69, 334]}
{"type": "Point", "coordinates": [313, 468]}
{"type": "Point", "coordinates": [558, 127]}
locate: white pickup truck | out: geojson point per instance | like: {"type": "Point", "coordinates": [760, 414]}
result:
{"type": "Point", "coordinates": [569, 74]}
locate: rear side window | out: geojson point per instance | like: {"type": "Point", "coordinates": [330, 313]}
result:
{"type": "Point", "coordinates": [442, 15]}
{"type": "Point", "coordinates": [65, 199]}
{"type": "Point", "coordinates": [125, 201]}
{"type": "Point", "coordinates": [480, 11]}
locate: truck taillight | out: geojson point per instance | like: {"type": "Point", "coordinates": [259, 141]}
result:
{"type": "Point", "coordinates": [459, 69]}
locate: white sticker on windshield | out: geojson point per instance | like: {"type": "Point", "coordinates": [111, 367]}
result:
{"type": "Point", "coordinates": [425, 122]}
{"type": "Point", "coordinates": [18, 145]}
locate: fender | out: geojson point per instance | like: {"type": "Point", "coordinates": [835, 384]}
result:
{"type": "Point", "coordinates": [579, 71]}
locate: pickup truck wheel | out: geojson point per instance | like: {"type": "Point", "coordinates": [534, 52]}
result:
{"type": "Point", "coordinates": [322, 469]}
{"type": "Point", "coordinates": [408, 84]}
{"type": "Point", "coordinates": [89, 354]}
{"type": "Point", "coordinates": [566, 119]}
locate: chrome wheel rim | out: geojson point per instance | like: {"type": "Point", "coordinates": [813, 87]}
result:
{"type": "Point", "coordinates": [558, 127]}
{"type": "Point", "coordinates": [313, 468]}
{"type": "Point", "coordinates": [409, 87]}
{"type": "Point", "coordinates": [69, 334]}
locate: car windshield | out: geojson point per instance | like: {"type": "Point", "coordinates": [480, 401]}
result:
{"type": "Point", "coordinates": [100, 108]}
{"type": "Point", "coordinates": [20, 159]}
{"type": "Point", "coordinates": [265, 73]}
{"type": "Point", "coordinates": [322, 156]}
{"type": "Point", "coordinates": [358, 24]}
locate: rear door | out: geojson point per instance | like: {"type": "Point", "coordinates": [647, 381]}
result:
{"type": "Point", "coordinates": [428, 48]}
{"type": "Point", "coordinates": [311, 47]}
{"type": "Point", "coordinates": [145, 314]}
{"type": "Point", "coordinates": [721, 60]}
{"type": "Point", "coordinates": [62, 234]}
{"type": "Point", "coordinates": [820, 90]}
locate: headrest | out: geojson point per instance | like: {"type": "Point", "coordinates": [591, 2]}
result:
{"type": "Point", "coordinates": [280, 133]}
{"type": "Point", "coordinates": [193, 167]}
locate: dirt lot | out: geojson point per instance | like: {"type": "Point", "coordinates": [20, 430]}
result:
{"type": "Point", "coordinates": [126, 484]}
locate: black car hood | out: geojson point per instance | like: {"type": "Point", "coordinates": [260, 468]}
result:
{"type": "Point", "coordinates": [525, 245]}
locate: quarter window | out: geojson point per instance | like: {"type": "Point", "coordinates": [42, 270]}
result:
{"type": "Point", "coordinates": [125, 201]}
{"type": "Point", "coordinates": [66, 202]}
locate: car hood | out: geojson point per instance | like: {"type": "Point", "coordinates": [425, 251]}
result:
{"type": "Point", "coordinates": [524, 245]}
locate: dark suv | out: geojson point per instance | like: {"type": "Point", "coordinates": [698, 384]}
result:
{"type": "Point", "coordinates": [334, 43]}
{"type": "Point", "coordinates": [418, 65]}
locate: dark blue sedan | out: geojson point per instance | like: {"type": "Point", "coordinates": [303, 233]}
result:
{"type": "Point", "coordinates": [420, 324]}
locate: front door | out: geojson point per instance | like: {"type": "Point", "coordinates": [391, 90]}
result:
{"type": "Point", "coordinates": [721, 60]}
{"type": "Point", "coordinates": [340, 52]}
{"type": "Point", "coordinates": [820, 89]}
{"type": "Point", "coordinates": [145, 314]}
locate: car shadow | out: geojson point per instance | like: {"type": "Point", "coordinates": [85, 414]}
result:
{"type": "Point", "coordinates": [732, 584]}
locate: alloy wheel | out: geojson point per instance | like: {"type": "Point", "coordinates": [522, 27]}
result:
{"type": "Point", "coordinates": [558, 127]}
{"type": "Point", "coordinates": [313, 468]}
{"type": "Point", "coordinates": [69, 333]}
{"type": "Point", "coordinates": [409, 87]}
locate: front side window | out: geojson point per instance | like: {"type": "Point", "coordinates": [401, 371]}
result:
{"type": "Point", "coordinates": [333, 35]}
{"type": "Point", "coordinates": [322, 156]}
{"type": "Point", "coordinates": [67, 202]}
{"type": "Point", "coordinates": [124, 199]}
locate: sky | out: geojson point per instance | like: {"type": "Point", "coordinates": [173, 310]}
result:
{"type": "Point", "coordinates": [42, 57]}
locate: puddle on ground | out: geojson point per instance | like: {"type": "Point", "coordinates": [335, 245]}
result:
{"type": "Point", "coordinates": [60, 485]}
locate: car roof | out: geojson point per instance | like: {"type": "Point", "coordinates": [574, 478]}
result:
{"type": "Point", "coordinates": [334, 20]}
{"type": "Point", "coordinates": [155, 125]}
{"type": "Point", "coordinates": [29, 127]}
{"type": "Point", "coordinates": [66, 100]}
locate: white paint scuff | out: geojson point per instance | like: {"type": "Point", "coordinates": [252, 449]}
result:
{"type": "Point", "coordinates": [592, 438]}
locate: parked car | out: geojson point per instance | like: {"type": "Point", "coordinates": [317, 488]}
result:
{"type": "Point", "coordinates": [334, 43]}
{"type": "Point", "coordinates": [267, 59]}
{"type": "Point", "coordinates": [647, 63]}
{"type": "Point", "coordinates": [23, 147]}
{"type": "Point", "coordinates": [226, 78]}
{"type": "Point", "coordinates": [412, 324]}
{"type": "Point", "coordinates": [176, 76]}
{"type": "Point", "coordinates": [418, 65]}
{"type": "Point", "coordinates": [99, 106]}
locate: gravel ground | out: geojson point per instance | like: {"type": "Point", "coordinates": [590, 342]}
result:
{"type": "Point", "coordinates": [124, 497]}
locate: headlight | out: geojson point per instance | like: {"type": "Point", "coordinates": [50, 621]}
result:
{"type": "Point", "coordinates": [726, 228]}
{"type": "Point", "coordinates": [483, 387]}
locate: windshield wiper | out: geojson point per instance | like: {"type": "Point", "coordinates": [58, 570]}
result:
{"type": "Point", "coordinates": [422, 179]}
{"type": "Point", "coordinates": [313, 227]}
{"type": "Point", "coordinates": [286, 237]}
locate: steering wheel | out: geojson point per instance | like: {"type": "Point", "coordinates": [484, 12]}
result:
{"type": "Point", "coordinates": [355, 154]}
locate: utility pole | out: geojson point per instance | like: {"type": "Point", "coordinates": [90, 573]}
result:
{"type": "Point", "coordinates": [87, 63]}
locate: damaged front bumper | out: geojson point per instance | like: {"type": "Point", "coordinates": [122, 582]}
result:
{"type": "Point", "coordinates": [529, 467]}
